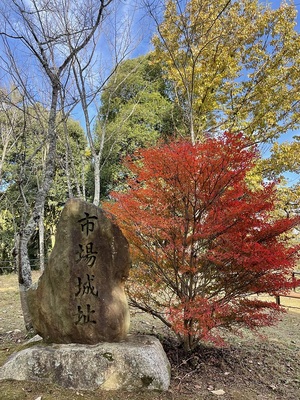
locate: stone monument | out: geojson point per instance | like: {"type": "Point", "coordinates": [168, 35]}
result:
{"type": "Point", "coordinates": [80, 297]}
{"type": "Point", "coordinates": [79, 308]}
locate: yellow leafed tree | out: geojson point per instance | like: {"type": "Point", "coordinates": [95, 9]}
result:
{"type": "Point", "coordinates": [284, 158]}
{"type": "Point", "coordinates": [231, 65]}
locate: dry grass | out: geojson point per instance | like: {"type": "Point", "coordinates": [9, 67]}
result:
{"type": "Point", "coordinates": [249, 368]}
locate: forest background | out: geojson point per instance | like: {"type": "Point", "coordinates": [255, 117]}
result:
{"type": "Point", "coordinates": [84, 85]}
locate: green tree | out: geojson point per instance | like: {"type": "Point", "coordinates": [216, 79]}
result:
{"type": "Point", "coordinates": [135, 112]}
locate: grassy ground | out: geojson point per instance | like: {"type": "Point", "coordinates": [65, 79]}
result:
{"type": "Point", "coordinates": [266, 368]}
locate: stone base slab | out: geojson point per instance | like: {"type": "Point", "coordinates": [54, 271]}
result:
{"type": "Point", "coordinates": [139, 362]}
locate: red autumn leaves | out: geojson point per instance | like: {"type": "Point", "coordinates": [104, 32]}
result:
{"type": "Point", "coordinates": [203, 241]}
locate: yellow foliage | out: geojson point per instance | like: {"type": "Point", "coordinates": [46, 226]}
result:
{"type": "Point", "coordinates": [87, 153]}
{"type": "Point", "coordinates": [233, 65]}
{"type": "Point", "coordinates": [289, 200]}
{"type": "Point", "coordinates": [284, 157]}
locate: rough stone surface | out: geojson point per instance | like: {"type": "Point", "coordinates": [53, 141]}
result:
{"type": "Point", "coordinates": [80, 297]}
{"type": "Point", "coordinates": [138, 362]}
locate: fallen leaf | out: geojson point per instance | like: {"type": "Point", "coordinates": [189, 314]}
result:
{"type": "Point", "coordinates": [219, 392]}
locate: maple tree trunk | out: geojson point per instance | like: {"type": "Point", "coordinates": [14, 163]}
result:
{"type": "Point", "coordinates": [187, 343]}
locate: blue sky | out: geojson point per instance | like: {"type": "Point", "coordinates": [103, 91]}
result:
{"type": "Point", "coordinates": [142, 32]}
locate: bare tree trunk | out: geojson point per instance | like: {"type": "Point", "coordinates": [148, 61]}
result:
{"type": "Point", "coordinates": [42, 241]}
{"type": "Point", "coordinates": [24, 275]}
{"type": "Point", "coordinates": [96, 200]}
{"type": "Point", "coordinates": [83, 178]}
{"type": "Point", "coordinates": [81, 87]}
{"type": "Point", "coordinates": [67, 169]}
{"type": "Point", "coordinates": [7, 129]}
{"type": "Point", "coordinates": [44, 38]}
{"type": "Point", "coordinates": [4, 149]}
{"type": "Point", "coordinates": [24, 235]}
{"type": "Point", "coordinates": [69, 160]}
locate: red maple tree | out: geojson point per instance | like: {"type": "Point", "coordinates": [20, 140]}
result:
{"type": "Point", "coordinates": [204, 242]}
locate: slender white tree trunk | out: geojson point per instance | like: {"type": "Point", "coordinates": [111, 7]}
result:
{"type": "Point", "coordinates": [42, 241]}
{"type": "Point", "coordinates": [96, 200]}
